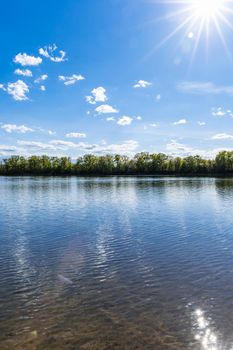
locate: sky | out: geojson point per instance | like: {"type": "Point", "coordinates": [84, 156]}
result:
{"type": "Point", "coordinates": [116, 76]}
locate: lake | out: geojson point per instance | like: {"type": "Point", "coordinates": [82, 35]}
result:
{"type": "Point", "coordinates": [120, 263]}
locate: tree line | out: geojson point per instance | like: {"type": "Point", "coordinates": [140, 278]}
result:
{"type": "Point", "coordinates": [141, 164]}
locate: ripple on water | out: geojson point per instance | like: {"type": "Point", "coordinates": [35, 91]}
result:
{"type": "Point", "coordinates": [116, 263]}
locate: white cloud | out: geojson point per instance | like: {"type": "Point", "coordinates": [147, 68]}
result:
{"type": "Point", "coordinates": [127, 147]}
{"type": "Point", "coordinates": [50, 132]}
{"type": "Point", "coordinates": [125, 120]}
{"type": "Point", "coordinates": [142, 84]}
{"type": "Point", "coordinates": [203, 88]}
{"type": "Point", "coordinates": [158, 97]}
{"type": "Point", "coordinates": [17, 90]}
{"type": "Point", "coordinates": [220, 112]}
{"type": "Point", "coordinates": [154, 125]}
{"type": "Point", "coordinates": [98, 95]}
{"type": "Point", "coordinates": [42, 88]}
{"type": "Point", "coordinates": [70, 80]}
{"type": "Point", "coordinates": [59, 59]}
{"type": "Point", "coordinates": [47, 51]}
{"type": "Point", "coordinates": [180, 122]}
{"type": "Point", "coordinates": [177, 149]}
{"type": "Point", "coordinates": [201, 123]}
{"type": "Point", "coordinates": [36, 146]}
{"type": "Point", "coordinates": [21, 129]}
{"type": "Point", "coordinates": [105, 109]}
{"type": "Point", "coordinates": [90, 99]}
{"type": "Point", "coordinates": [139, 117]}
{"type": "Point", "coordinates": [110, 119]}
{"type": "Point", "coordinates": [24, 72]}
{"type": "Point", "coordinates": [66, 145]}
{"type": "Point", "coordinates": [62, 148]}
{"type": "Point", "coordinates": [27, 60]}
{"type": "Point", "coordinates": [76, 135]}
{"type": "Point", "coordinates": [222, 136]}
{"type": "Point", "coordinates": [41, 78]}
{"type": "Point", "coordinates": [6, 150]}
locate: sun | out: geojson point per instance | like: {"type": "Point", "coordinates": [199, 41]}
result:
{"type": "Point", "coordinates": [198, 19]}
{"type": "Point", "coordinates": [207, 9]}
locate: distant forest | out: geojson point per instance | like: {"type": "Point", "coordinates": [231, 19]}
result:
{"type": "Point", "coordinates": [140, 164]}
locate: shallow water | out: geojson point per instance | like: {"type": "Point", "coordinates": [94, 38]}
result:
{"type": "Point", "coordinates": [116, 263]}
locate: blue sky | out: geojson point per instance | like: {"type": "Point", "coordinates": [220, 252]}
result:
{"type": "Point", "coordinates": [98, 76]}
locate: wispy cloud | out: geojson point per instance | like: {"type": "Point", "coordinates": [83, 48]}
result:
{"type": "Point", "coordinates": [6, 150]}
{"type": "Point", "coordinates": [48, 52]}
{"type": "Point", "coordinates": [142, 84]}
{"type": "Point", "coordinates": [23, 72]}
{"type": "Point", "coordinates": [105, 109]}
{"type": "Point", "coordinates": [177, 149]}
{"type": "Point", "coordinates": [98, 95]}
{"type": "Point", "coordinates": [27, 60]}
{"type": "Point", "coordinates": [20, 129]}
{"type": "Point", "coordinates": [125, 120]}
{"type": "Point", "coordinates": [36, 146]}
{"type": "Point", "coordinates": [51, 132]}
{"type": "Point", "coordinates": [76, 135]}
{"type": "Point", "coordinates": [66, 145]}
{"type": "Point", "coordinates": [203, 88]}
{"type": "Point", "coordinates": [71, 80]}
{"type": "Point", "coordinates": [180, 122]}
{"type": "Point", "coordinates": [222, 136]}
{"type": "Point", "coordinates": [41, 78]}
{"type": "Point", "coordinates": [201, 123]}
{"type": "Point", "coordinates": [127, 147]}
{"type": "Point", "coordinates": [63, 147]}
{"type": "Point", "coordinates": [220, 112]}
{"type": "Point", "coordinates": [110, 119]}
{"type": "Point", "coordinates": [17, 90]}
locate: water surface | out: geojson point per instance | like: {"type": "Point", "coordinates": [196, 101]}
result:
{"type": "Point", "coordinates": [116, 263]}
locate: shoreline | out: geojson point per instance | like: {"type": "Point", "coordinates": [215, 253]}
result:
{"type": "Point", "coordinates": [120, 175]}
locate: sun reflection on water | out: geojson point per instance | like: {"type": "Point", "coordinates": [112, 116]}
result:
{"type": "Point", "coordinates": [203, 332]}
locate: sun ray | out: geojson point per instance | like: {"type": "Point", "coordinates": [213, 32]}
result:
{"type": "Point", "coordinates": [225, 20]}
{"type": "Point", "coordinates": [227, 9]}
{"type": "Point", "coordinates": [176, 13]}
{"type": "Point", "coordinates": [222, 38]}
{"type": "Point", "coordinates": [168, 37]}
{"type": "Point", "coordinates": [197, 40]}
{"type": "Point", "coordinates": [202, 17]}
{"type": "Point", "coordinates": [168, 16]}
{"type": "Point", "coordinates": [172, 34]}
{"type": "Point", "coordinates": [207, 35]}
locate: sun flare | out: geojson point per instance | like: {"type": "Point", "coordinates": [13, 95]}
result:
{"type": "Point", "coordinates": [198, 19]}
{"type": "Point", "coordinates": [207, 9]}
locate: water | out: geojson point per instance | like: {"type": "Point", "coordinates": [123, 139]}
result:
{"type": "Point", "coordinates": [116, 263]}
